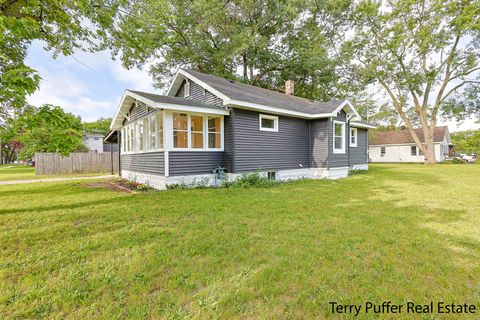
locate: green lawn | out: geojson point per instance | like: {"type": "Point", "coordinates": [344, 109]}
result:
{"type": "Point", "coordinates": [399, 232]}
{"type": "Point", "coordinates": [21, 172]}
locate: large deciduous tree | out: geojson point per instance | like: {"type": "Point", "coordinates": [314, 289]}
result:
{"type": "Point", "coordinates": [47, 129]}
{"type": "Point", "coordinates": [424, 54]}
{"type": "Point", "coordinates": [260, 42]}
{"type": "Point", "coordinates": [63, 26]}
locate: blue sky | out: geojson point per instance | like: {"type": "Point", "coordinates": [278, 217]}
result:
{"type": "Point", "coordinates": [85, 84]}
{"type": "Point", "coordinates": [91, 84]}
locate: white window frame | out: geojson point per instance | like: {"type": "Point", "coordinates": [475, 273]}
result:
{"type": "Point", "coordinates": [416, 151]}
{"type": "Point", "coordinates": [186, 89]}
{"type": "Point", "coordinates": [269, 117]}
{"type": "Point", "coordinates": [131, 135]}
{"type": "Point", "coordinates": [342, 149]}
{"type": "Point", "coordinates": [205, 132]}
{"type": "Point", "coordinates": [355, 135]}
{"type": "Point", "coordinates": [382, 154]}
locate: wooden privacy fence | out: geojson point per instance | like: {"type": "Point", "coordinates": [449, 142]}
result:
{"type": "Point", "coordinates": [53, 163]}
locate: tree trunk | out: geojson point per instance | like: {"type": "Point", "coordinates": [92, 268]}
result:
{"type": "Point", "coordinates": [1, 152]}
{"type": "Point", "coordinates": [430, 151]}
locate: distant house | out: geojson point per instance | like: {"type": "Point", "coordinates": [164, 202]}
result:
{"type": "Point", "coordinates": [205, 124]}
{"type": "Point", "coordinates": [94, 142]}
{"type": "Point", "coordinates": [399, 146]}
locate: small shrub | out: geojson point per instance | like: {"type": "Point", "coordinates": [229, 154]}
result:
{"type": "Point", "coordinates": [178, 186]}
{"type": "Point", "coordinates": [250, 180]}
{"type": "Point", "coordinates": [143, 187]}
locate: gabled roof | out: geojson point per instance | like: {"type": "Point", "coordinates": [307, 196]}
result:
{"type": "Point", "coordinates": [240, 94]}
{"type": "Point", "coordinates": [160, 102]}
{"type": "Point", "coordinates": [173, 100]}
{"type": "Point", "coordinates": [404, 136]}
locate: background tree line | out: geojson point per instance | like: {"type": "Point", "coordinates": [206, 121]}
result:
{"type": "Point", "coordinates": [403, 61]}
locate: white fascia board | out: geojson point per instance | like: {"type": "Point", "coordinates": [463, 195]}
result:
{"type": "Point", "coordinates": [160, 105]}
{"type": "Point", "coordinates": [361, 125]}
{"type": "Point", "coordinates": [119, 111]}
{"type": "Point", "coordinates": [173, 107]}
{"type": "Point", "coordinates": [183, 74]}
{"type": "Point", "coordinates": [350, 105]}
{"type": "Point", "coordinates": [267, 109]}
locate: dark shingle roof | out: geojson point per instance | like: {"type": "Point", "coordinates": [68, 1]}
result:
{"type": "Point", "coordinates": [174, 100]}
{"type": "Point", "coordinates": [403, 136]}
{"type": "Point", "coordinates": [244, 92]}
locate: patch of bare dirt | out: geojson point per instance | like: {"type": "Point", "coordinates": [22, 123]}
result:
{"type": "Point", "coordinates": [117, 186]}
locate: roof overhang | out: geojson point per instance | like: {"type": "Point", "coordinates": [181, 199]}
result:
{"type": "Point", "coordinates": [182, 75]}
{"type": "Point", "coordinates": [361, 125]}
{"type": "Point", "coordinates": [130, 97]}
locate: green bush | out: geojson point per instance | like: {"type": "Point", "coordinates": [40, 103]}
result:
{"type": "Point", "coordinates": [250, 180]}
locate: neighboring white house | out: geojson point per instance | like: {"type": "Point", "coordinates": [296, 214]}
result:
{"type": "Point", "coordinates": [398, 146]}
{"type": "Point", "coordinates": [94, 142]}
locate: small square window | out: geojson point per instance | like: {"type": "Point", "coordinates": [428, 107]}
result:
{"type": "Point", "coordinates": [271, 175]}
{"type": "Point", "coordinates": [413, 151]}
{"type": "Point", "coordinates": [268, 123]}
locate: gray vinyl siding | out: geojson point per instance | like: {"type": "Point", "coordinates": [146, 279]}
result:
{"type": "Point", "coordinates": [151, 162]}
{"type": "Point", "coordinates": [358, 154]}
{"type": "Point", "coordinates": [194, 162]}
{"type": "Point", "coordinates": [264, 150]}
{"type": "Point", "coordinates": [137, 112]}
{"type": "Point", "coordinates": [197, 93]}
{"type": "Point", "coordinates": [319, 143]}
{"type": "Point", "coordinates": [228, 142]}
{"type": "Point", "coordinates": [335, 159]}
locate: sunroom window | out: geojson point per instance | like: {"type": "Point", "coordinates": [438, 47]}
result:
{"type": "Point", "coordinates": [196, 132]}
{"type": "Point", "coordinates": [180, 130]}
{"type": "Point", "coordinates": [214, 134]}
{"type": "Point", "coordinates": [338, 137]}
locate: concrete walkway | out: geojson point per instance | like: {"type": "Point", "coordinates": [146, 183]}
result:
{"type": "Point", "coordinates": [2, 183]}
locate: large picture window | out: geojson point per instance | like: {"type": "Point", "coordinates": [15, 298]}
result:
{"type": "Point", "coordinates": [338, 137]}
{"type": "Point", "coordinates": [200, 133]}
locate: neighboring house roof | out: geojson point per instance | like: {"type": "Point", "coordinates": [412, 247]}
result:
{"type": "Point", "coordinates": [240, 94]}
{"type": "Point", "coordinates": [404, 136]}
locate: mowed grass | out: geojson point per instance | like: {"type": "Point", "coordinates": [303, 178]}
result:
{"type": "Point", "coordinates": [14, 172]}
{"type": "Point", "coordinates": [399, 233]}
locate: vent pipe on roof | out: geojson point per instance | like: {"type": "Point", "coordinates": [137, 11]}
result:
{"type": "Point", "coordinates": [289, 87]}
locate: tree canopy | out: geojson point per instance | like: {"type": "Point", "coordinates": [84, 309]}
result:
{"type": "Point", "coordinates": [262, 42]}
{"type": "Point", "coordinates": [466, 141]}
{"type": "Point", "coordinates": [63, 26]}
{"type": "Point", "coordinates": [46, 129]}
{"type": "Point", "coordinates": [101, 125]}
{"type": "Point", "coordinates": [424, 54]}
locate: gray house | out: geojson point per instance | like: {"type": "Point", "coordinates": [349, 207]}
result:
{"type": "Point", "coordinates": [206, 124]}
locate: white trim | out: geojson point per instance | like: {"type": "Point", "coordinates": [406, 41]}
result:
{"type": "Point", "coordinates": [269, 117]}
{"type": "Point", "coordinates": [354, 145]}
{"type": "Point", "coordinates": [361, 125]}
{"type": "Point", "coordinates": [205, 133]}
{"type": "Point", "coordinates": [117, 124]}
{"type": "Point", "coordinates": [166, 163]}
{"type": "Point", "coordinates": [187, 75]}
{"type": "Point", "coordinates": [255, 106]}
{"type": "Point", "coordinates": [339, 150]}
{"type": "Point", "coordinates": [187, 93]}
{"type": "Point", "coordinates": [397, 144]}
